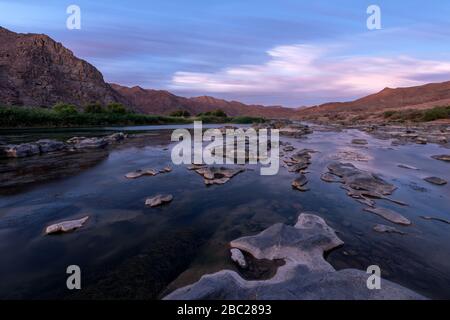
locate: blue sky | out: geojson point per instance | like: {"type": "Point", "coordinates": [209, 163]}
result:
{"type": "Point", "coordinates": [290, 53]}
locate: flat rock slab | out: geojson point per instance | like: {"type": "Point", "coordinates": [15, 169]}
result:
{"type": "Point", "coordinates": [436, 180]}
{"type": "Point", "coordinates": [381, 228]}
{"type": "Point", "coordinates": [66, 226]}
{"type": "Point", "coordinates": [158, 200]}
{"type": "Point", "coordinates": [305, 275]}
{"type": "Point", "coordinates": [389, 215]}
{"type": "Point", "coordinates": [442, 157]}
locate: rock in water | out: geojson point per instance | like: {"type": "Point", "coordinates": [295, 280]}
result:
{"type": "Point", "coordinates": [328, 177]}
{"type": "Point", "coordinates": [305, 275]}
{"type": "Point", "coordinates": [436, 180]}
{"type": "Point", "coordinates": [139, 173]}
{"type": "Point", "coordinates": [21, 150]}
{"type": "Point", "coordinates": [46, 145]}
{"type": "Point", "coordinates": [300, 182]}
{"type": "Point", "coordinates": [66, 226]}
{"type": "Point", "coordinates": [386, 229]}
{"type": "Point", "coordinates": [406, 166]}
{"type": "Point", "coordinates": [91, 143]}
{"type": "Point", "coordinates": [436, 219]}
{"type": "Point", "coordinates": [158, 200]}
{"type": "Point", "coordinates": [217, 175]}
{"type": "Point", "coordinates": [359, 141]}
{"type": "Point", "coordinates": [442, 157]}
{"type": "Point", "coordinates": [238, 257]}
{"type": "Point", "coordinates": [389, 215]}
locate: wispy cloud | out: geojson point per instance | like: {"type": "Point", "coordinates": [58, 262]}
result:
{"type": "Point", "coordinates": [315, 72]}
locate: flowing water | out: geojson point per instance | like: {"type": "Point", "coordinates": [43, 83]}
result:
{"type": "Point", "coordinates": [127, 250]}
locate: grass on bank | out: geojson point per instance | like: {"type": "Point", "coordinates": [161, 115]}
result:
{"type": "Point", "coordinates": [65, 115]}
{"type": "Point", "coordinates": [414, 115]}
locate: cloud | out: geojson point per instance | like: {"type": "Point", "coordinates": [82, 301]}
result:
{"type": "Point", "coordinates": [310, 72]}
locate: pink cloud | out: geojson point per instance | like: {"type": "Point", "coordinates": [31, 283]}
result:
{"type": "Point", "coordinates": [313, 71]}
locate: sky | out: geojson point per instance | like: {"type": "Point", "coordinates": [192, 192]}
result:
{"type": "Point", "coordinates": [280, 52]}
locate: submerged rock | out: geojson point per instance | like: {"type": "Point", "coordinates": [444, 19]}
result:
{"type": "Point", "coordinates": [436, 180]}
{"type": "Point", "coordinates": [436, 219]}
{"type": "Point", "coordinates": [305, 275]}
{"type": "Point", "coordinates": [300, 182]}
{"type": "Point", "coordinates": [238, 257]}
{"type": "Point", "coordinates": [381, 228]}
{"type": "Point", "coordinates": [442, 157]}
{"type": "Point", "coordinates": [66, 226]}
{"type": "Point", "coordinates": [359, 141]}
{"type": "Point", "coordinates": [158, 200]}
{"type": "Point", "coordinates": [389, 215]}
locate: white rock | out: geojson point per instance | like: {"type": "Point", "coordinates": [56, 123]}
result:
{"type": "Point", "coordinates": [238, 257]}
{"type": "Point", "coordinates": [66, 226]}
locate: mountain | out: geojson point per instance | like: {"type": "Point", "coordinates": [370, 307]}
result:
{"type": "Point", "coordinates": [38, 71]}
{"type": "Point", "coordinates": [425, 96]}
{"type": "Point", "coordinates": [164, 102]}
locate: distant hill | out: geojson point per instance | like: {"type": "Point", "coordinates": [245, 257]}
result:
{"type": "Point", "coordinates": [164, 102]}
{"type": "Point", "coordinates": [424, 96]}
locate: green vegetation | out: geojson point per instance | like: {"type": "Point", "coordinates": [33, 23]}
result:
{"type": "Point", "coordinates": [216, 113]}
{"type": "Point", "coordinates": [437, 113]}
{"type": "Point", "coordinates": [414, 115]}
{"type": "Point", "coordinates": [180, 113]}
{"type": "Point", "coordinates": [66, 115]}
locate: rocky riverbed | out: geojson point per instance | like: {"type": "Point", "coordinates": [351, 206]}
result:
{"type": "Point", "coordinates": [141, 227]}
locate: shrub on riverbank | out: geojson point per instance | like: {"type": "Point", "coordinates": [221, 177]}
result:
{"type": "Point", "coordinates": [66, 116]}
{"type": "Point", "coordinates": [415, 115]}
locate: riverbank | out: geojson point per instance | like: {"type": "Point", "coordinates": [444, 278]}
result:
{"type": "Point", "coordinates": [20, 117]}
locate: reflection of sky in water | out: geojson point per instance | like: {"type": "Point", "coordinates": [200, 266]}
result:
{"type": "Point", "coordinates": [121, 228]}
